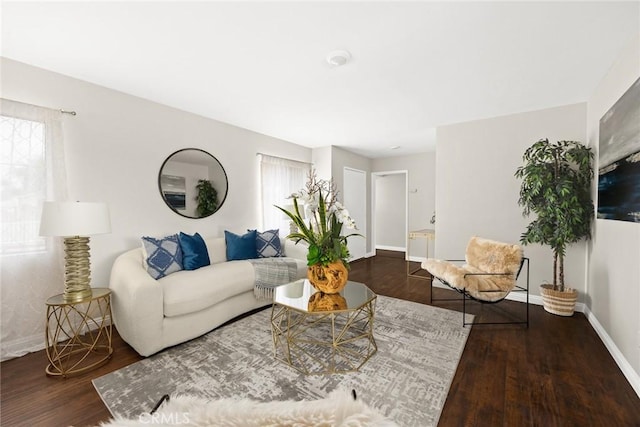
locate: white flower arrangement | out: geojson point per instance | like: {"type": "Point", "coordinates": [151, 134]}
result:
{"type": "Point", "coordinates": [325, 218]}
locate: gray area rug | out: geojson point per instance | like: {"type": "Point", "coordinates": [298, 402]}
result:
{"type": "Point", "coordinates": [408, 379]}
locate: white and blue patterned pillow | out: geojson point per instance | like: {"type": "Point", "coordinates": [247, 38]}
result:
{"type": "Point", "coordinates": [163, 256]}
{"type": "Point", "coordinates": [268, 244]}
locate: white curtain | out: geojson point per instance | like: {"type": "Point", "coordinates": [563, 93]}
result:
{"type": "Point", "coordinates": [279, 179]}
{"type": "Point", "coordinates": [32, 170]}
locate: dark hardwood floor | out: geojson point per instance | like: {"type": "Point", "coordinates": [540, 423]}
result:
{"type": "Point", "coordinates": [555, 373]}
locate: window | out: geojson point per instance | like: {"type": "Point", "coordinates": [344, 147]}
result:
{"type": "Point", "coordinates": [279, 179]}
{"type": "Point", "coordinates": [32, 170]}
{"type": "Point", "coordinates": [23, 175]}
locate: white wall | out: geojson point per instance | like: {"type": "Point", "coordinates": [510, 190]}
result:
{"type": "Point", "coordinates": [390, 204]}
{"type": "Point", "coordinates": [421, 170]}
{"type": "Point", "coordinates": [477, 193]}
{"type": "Point", "coordinates": [613, 281]}
{"type": "Point", "coordinates": [340, 159]}
{"type": "Point", "coordinates": [354, 195]}
{"type": "Point", "coordinates": [116, 145]}
{"type": "Point", "coordinates": [321, 158]}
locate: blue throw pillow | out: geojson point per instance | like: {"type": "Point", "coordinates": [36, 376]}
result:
{"type": "Point", "coordinates": [241, 247]}
{"type": "Point", "coordinates": [194, 250]}
{"type": "Point", "coordinates": [163, 256]}
{"type": "Point", "coordinates": [268, 244]}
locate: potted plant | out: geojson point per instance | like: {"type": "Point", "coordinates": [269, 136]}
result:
{"type": "Point", "coordinates": [556, 187]}
{"type": "Point", "coordinates": [327, 256]}
{"type": "Point", "coordinates": [207, 198]}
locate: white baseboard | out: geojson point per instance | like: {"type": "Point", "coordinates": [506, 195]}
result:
{"type": "Point", "coordinates": [627, 370]}
{"type": "Point", "coordinates": [391, 248]}
{"type": "Point", "coordinates": [417, 258]}
{"type": "Point", "coordinates": [522, 297]}
{"type": "Point", "coordinates": [370, 254]}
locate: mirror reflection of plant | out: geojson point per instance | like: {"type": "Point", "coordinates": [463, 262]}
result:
{"type": "Point", "coordinates": [556, 186]}
{"type": "Point", "coordinates": [326, 217]}
{"type": "Point", "coordinates": [207, 198]}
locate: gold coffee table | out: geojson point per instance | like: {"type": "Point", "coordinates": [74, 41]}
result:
{"type": "Point", "coordinates": [319, 333]}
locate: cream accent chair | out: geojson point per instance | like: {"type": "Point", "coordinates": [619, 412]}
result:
{"type": "Point", "coordinates": [489, 273]}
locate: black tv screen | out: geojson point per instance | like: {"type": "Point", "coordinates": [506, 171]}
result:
{"type": "Point", "coordinates": [175, 200]}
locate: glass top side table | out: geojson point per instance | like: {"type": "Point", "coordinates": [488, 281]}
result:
{"type": "Point", "coordinates": [78, 334]}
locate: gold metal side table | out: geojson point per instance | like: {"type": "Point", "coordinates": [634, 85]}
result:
{"type": "Point", "coordinates": [78, 334]}
{"type": "Point", "coordinates": [427, 234]}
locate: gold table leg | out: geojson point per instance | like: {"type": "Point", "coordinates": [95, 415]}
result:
{"type": "Point", "coordinates": [324, 342]}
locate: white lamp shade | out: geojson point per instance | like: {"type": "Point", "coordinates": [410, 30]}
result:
{"type": "Point", "coordinates": [74, 219]}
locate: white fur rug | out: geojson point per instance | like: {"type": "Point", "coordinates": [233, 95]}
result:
{"type": "Point", "coordinates": [339, 409]}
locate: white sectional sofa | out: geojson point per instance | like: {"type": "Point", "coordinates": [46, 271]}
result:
{"type": "Point", "coordinates": [152, 314]}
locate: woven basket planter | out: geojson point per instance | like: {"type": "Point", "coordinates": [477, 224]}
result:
{"type": "Point", "coordinates": [559, 303]}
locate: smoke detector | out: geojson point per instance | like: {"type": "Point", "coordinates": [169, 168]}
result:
{"type": "Point", "coordinates": [338, 58]}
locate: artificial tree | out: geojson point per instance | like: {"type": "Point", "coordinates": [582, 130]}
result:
{"type": "Point", "coordinates": [556, 187]}
{"type": "Point", "coordinates": [207, 198]}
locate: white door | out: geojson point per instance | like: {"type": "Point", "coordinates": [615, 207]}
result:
{"type": "Point", "coordinates": [355, 200]}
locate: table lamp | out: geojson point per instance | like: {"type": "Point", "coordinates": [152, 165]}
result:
{"type": "Point", "coordinates": [75, 221]}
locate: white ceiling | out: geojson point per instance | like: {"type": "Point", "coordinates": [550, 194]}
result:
{"type": "Point", "coordinates": [261, 65]}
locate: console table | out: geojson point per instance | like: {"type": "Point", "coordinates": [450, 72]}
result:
{"type": "Point", "coordinates": [428, 234]}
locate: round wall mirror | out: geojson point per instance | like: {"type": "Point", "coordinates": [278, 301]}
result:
{"type": "Point", "coordinates": [193, 183]}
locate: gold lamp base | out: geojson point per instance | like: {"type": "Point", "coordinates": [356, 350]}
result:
{"type": "Point", "coordinates": [77, 274]}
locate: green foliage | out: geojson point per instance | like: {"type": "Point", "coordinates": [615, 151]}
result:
{"type": "Point", "coordinates": [322, 233]}
{"type": "Point", "coordinates": [207, 198]}
{"type": "Point", "coordinates": [556, 187]}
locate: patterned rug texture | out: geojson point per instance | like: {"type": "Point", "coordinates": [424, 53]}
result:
{"type": "Point", "coordinates": [407, 380]}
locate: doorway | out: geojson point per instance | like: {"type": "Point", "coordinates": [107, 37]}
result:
{"type": "Point", "coordinates": [389, 210]}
